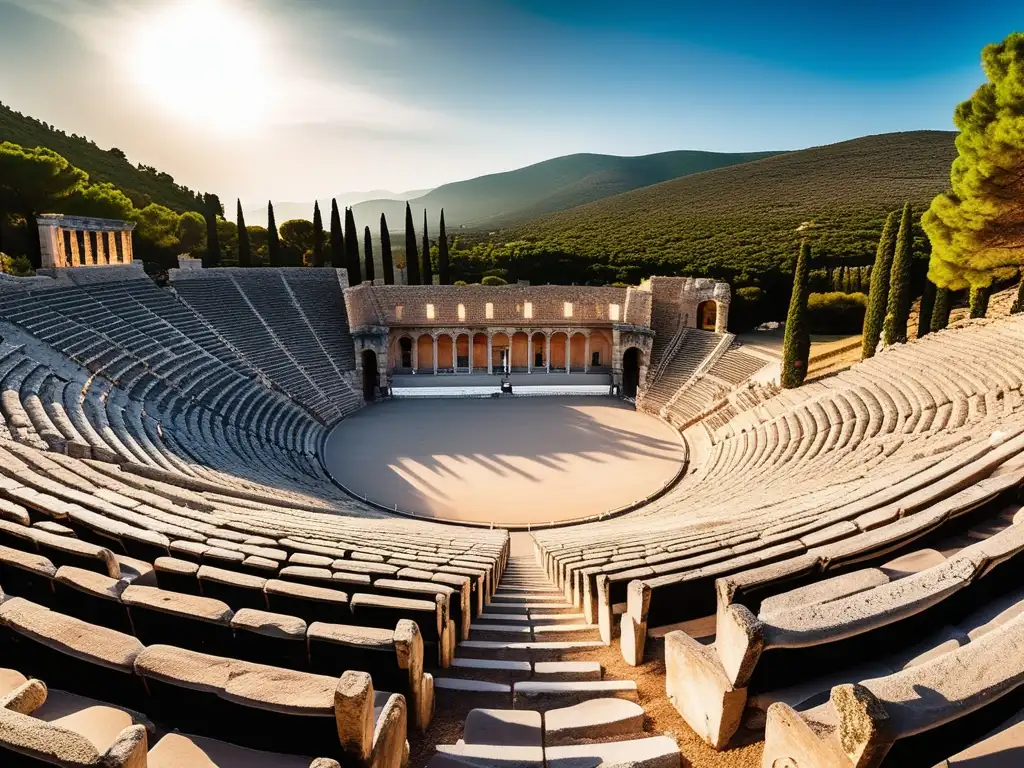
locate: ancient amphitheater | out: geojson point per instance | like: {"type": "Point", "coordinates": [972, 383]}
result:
{"type": "Point", "coordinates": [823, 577]}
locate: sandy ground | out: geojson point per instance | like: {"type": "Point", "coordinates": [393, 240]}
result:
{"type": "Point", "coordinates": [508, 460]}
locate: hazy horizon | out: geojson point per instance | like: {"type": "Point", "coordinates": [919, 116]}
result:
{"type": "Point", "coordinates": [297, 100]}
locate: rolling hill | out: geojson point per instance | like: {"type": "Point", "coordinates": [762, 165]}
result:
{"type": "Point", "coordinates": [142, 186]}
{"type": "Point", "coordinates": [501, 199]}
{"type": "Point", "coordinates": [749, 217]}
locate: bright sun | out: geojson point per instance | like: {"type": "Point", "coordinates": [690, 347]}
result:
{"type": "Point", "coordinates": [203, 61]}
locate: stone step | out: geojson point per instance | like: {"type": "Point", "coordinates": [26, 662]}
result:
{"type": "Point", "coordinates": [526, 597]}
{"type": "Point", "coordinates": [559, 671]}
{"type": "Point", "coordinates": [487, 617]}
{"type": "Point", "coordinates": [470, 686]}
{"type": "Point", "coordinates": [593, 719]}
{"type": "Point", "coordinates": [487, 756]}
{"type": "Point", "coordinates": [505, 727]}
{"type": "Point", "coordinates": [543, 696]}
{"type": "Point", "coordinates": [500, 629]}
{"type": "Point", "coordinates": [653, 752]}
{"type": "Point", "coordinates": [539, 617]}
{"type": "Point", "coordinates": [521, 588]}
{"type": "Point", "coordinates": [519, 607]}
{"type": "Point", "coordinates": [541, 628]}
{"type": "Point", "coordinates": [496, 646]}
{"type": "Point", "coordinates": [491, 665]}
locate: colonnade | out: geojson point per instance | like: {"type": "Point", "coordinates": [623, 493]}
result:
{"type": "Point", "coordinates": [81, 241]}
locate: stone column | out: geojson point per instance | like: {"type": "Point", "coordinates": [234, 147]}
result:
{"type": "Point", "coordinates": [126, 246]}
{"type": "Point", "coordinates": [415, 354]}
{"type": "Point", "coordinates": [435, 355]}
{"type": "Point", "coordinates": [529, 352]}
{"type": "Point", "coordinates": [490, 354]}
{"type": "Point", "coordinates": [586, 354]}
{"type": "Point", "coordinates": [112, 248]}
{"type": "Point", "coordinates": [455, 353]}
{"type": "Point", "coordinates": [472, 338]}
{"type": "Point", "coordinates": [568, 353]}
{"type": "Point", "coordinates": [87, 256]}
{"type": "Point", "coordinates": [547, 353]}
{"type": "Point", "coordinates": [51, 243]}
{"type": "Point", "coordinates": [75, 255]}
{"type": "Point", "coordinates": [101, 248]}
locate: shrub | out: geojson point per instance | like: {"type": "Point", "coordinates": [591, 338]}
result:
{"type": "Point", "coordinates": [493, 280]}
{"type": "Point", "coordinates": [836, 312]}
{"type": "Point", "coordinates": [460, 282]}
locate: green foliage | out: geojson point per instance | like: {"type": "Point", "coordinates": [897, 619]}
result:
{"type": "Point", "coordinates": [19, 266]}
{"type": "Point", "coordinates": [298, 233]}
{"type": "Point", "coordinates": [943, 306]}
{"type": "Point", "coordinates": [337, 237]}
{"type": "Point", "coordinates": [924, 314]}
{"type": "Point", "coordinates": [1018, 304]}
{"type": "Point", "coordinates": [412, 256]}
{"type": "Point", "coordinates": [227, 241]}
{"type": "Point", "coordinates": [979, 300]}
{"type": "Point", "coordinates": [493, 280]}
{"type": "Point", "coordinates": [427, 273]}
{"type": "Point", "coordinates": [104, 201]}
{"type": "Point", "coordinates": [191, 232]}
{"type": "Point", "coordinates": [977, 228]}
{"type": "Point", "coordinates": [244, 246]}
{"type": "Point", "coordinates": [318, 236]}
{"type": "Point", "coordinates": [443, 271]}
{"type": "Point", "coordinates": [211, 210]}
{"type": "Point", "coordinates": [836, 312]}
{"type": "Point", "coordinates": [894, 330]}
{"type": "Point", "coordinates": [142, 185]}
{"type": "Point", "coordinates": [385, 252]}
{"type": "Point", "coordinates": [796, 345]}
{"type": "Point", "coordinates": [460, 282]}
{"type": "Point", "coordinates": [352, 249]}
{"type": "Point", "coordinates": [368, 253]}
{"type": "Point", "coordinates": [274, 255]}
{"type": "Point", "coordinates": [878, 295]}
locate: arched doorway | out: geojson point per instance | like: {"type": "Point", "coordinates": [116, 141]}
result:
{"type": "Point", "coordinates": [445, 353]}
{"type": "Point", "coordinates": [707, 315]}
{"type": "Point", "coordinates": [520, 356]}
{"type": "Point", "coordinates": [425, 354]}
{"type": "Point", "coordinates": [369, 375]}
{"type": "Point", "coordinates": [540, 350]}
{"type": "Point", "coordinates": [631, 362]}
{"type": "Point", "coordinates": [559, 352]}
{"type": "Point", "coordinates": [501, 350]}
{"type": "Point", "coordinates": [578, 352]}
{"type": "Point", "coordinates": [405, 353]}
{"type": "Point", "coordinates": [480, 353]}
{"type": "Point", "coordinates": [462, 353]}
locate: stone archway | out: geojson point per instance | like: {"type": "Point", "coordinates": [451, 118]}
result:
{"type": "Point", "coordinates": [578, 352]}
{"type": "Point", "coordinates": [707, 315]}
{"type": "Point", "coordinates": [462, 343]}
{"type": "Point", "coordinates": [632, 360]}
{"type": "Point", "coordinates": [520, 355]}
{"type": "Point", "coordinates": [559, 351]}
{"type": "Point", "coordinates": [425, 353]}
{"type": "Point", "coordinates": [501, 351]}
{"type": "Point", "coordinates": [540, 351]}
{"type": "Point", "coordinates": [405, 353]}
{"type": "Point", "coordinates": [445, 353]}
{"type": "Point", "coordinates": [370, 378]}
{"type": "Point", "coordinates": [479, 353]}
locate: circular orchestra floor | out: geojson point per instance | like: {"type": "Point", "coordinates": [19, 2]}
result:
{"type": "Point", "coordinates": [508, 460]}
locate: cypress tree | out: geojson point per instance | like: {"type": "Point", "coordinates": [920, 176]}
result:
{"type": "Point", "coordinates": [211, 206]}
{"type": "Point", "coordinates": [385, 252]}
{"type": "Point", "coordinates": [273, 238]}
{"type": "Point", "coordinates": [924, 313]}
{"type": "Point", "coordinates": [428, 269]}
{"type": "Point", "coordinates": [355, 276]}
{"type": "Point", "coordinates": [894, 331]}
{"type": "Point", "coordinates": [796, 345]}
{"type": "Point", "coordinates": [412, 256]}
{"type": "Point", "coordinates": [318, 236]}
{"type": "Point", "coordinates": [979, 301]}
{"type": "Point", "coordinates": [368, 253]}
{"type": "Point", "coordinates": [878, 293]}
{"type": "Point", "coordinates": [244, 249]}
{"type": "Point", "coordinates": [442, 254]}
{"type": "Point", "coordinates": [943, 306]}
{"type": "Point", "coordinates": [337, 238]}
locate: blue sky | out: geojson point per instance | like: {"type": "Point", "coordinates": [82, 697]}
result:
{"type": "Point", "coordinates": [296, 99]}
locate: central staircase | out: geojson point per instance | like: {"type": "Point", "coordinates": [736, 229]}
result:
{"type": "Point", "coordinates": [530, 707]}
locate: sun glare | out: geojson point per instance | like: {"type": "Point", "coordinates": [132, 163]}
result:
{"type": "Point", "coordinates": [205, 62]}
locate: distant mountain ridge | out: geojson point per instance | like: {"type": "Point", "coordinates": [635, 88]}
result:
{"type": "Point", "coordinates": [256, 214]}
{"type": "Point", "coordinates": [501, 199]}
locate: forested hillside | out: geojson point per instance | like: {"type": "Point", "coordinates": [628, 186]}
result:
{"type": "Point", "coordinates": [142, 184]}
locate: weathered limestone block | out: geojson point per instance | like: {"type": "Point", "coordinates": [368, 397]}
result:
{"type": "Point", "coordinates": [739, 641]}
{"type": "Point", "coordinates": [699, 689]}
{"type": "Point", "coordinates": [633, 623]}
{"type": "Point", "coordinates": [389, 744]}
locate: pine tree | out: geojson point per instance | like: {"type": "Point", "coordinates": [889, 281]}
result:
{"type": "Point", "coordinates": [273, 238]}
{"type": "Point", "coordinates": [442, 254]}
{"type": "Point", "coordinates": [979, 301]}
{"type": "Point", "coordinates": [244, 249]}
{"type": "Point", "coordinates": [368, 253]}
{"type": "Point", "coordinates": [943, 306]}
{"type": "Point", "coordinates": [211, 208]}
{"type": "Point", "coordinates": [337, 238]}
{"type": "Point", "coordinates": [428, 268]}
{"type": "Point", "coordinates": [878, 293]}
{"type": "Point", "coordinates": [924, 312]}
{"type": "Point", "coordinates": [894, 331]}
{"type": "Point", "coordinates": [385, 252]}
{"type": "Point", "coordinates": [412, 256]}
{"type": "Point", "coordinates": [318, 236]}
{"type": "Point", "coordinates": [796, 345]}
{"type": "Point", "coordinates": [355, 276]}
